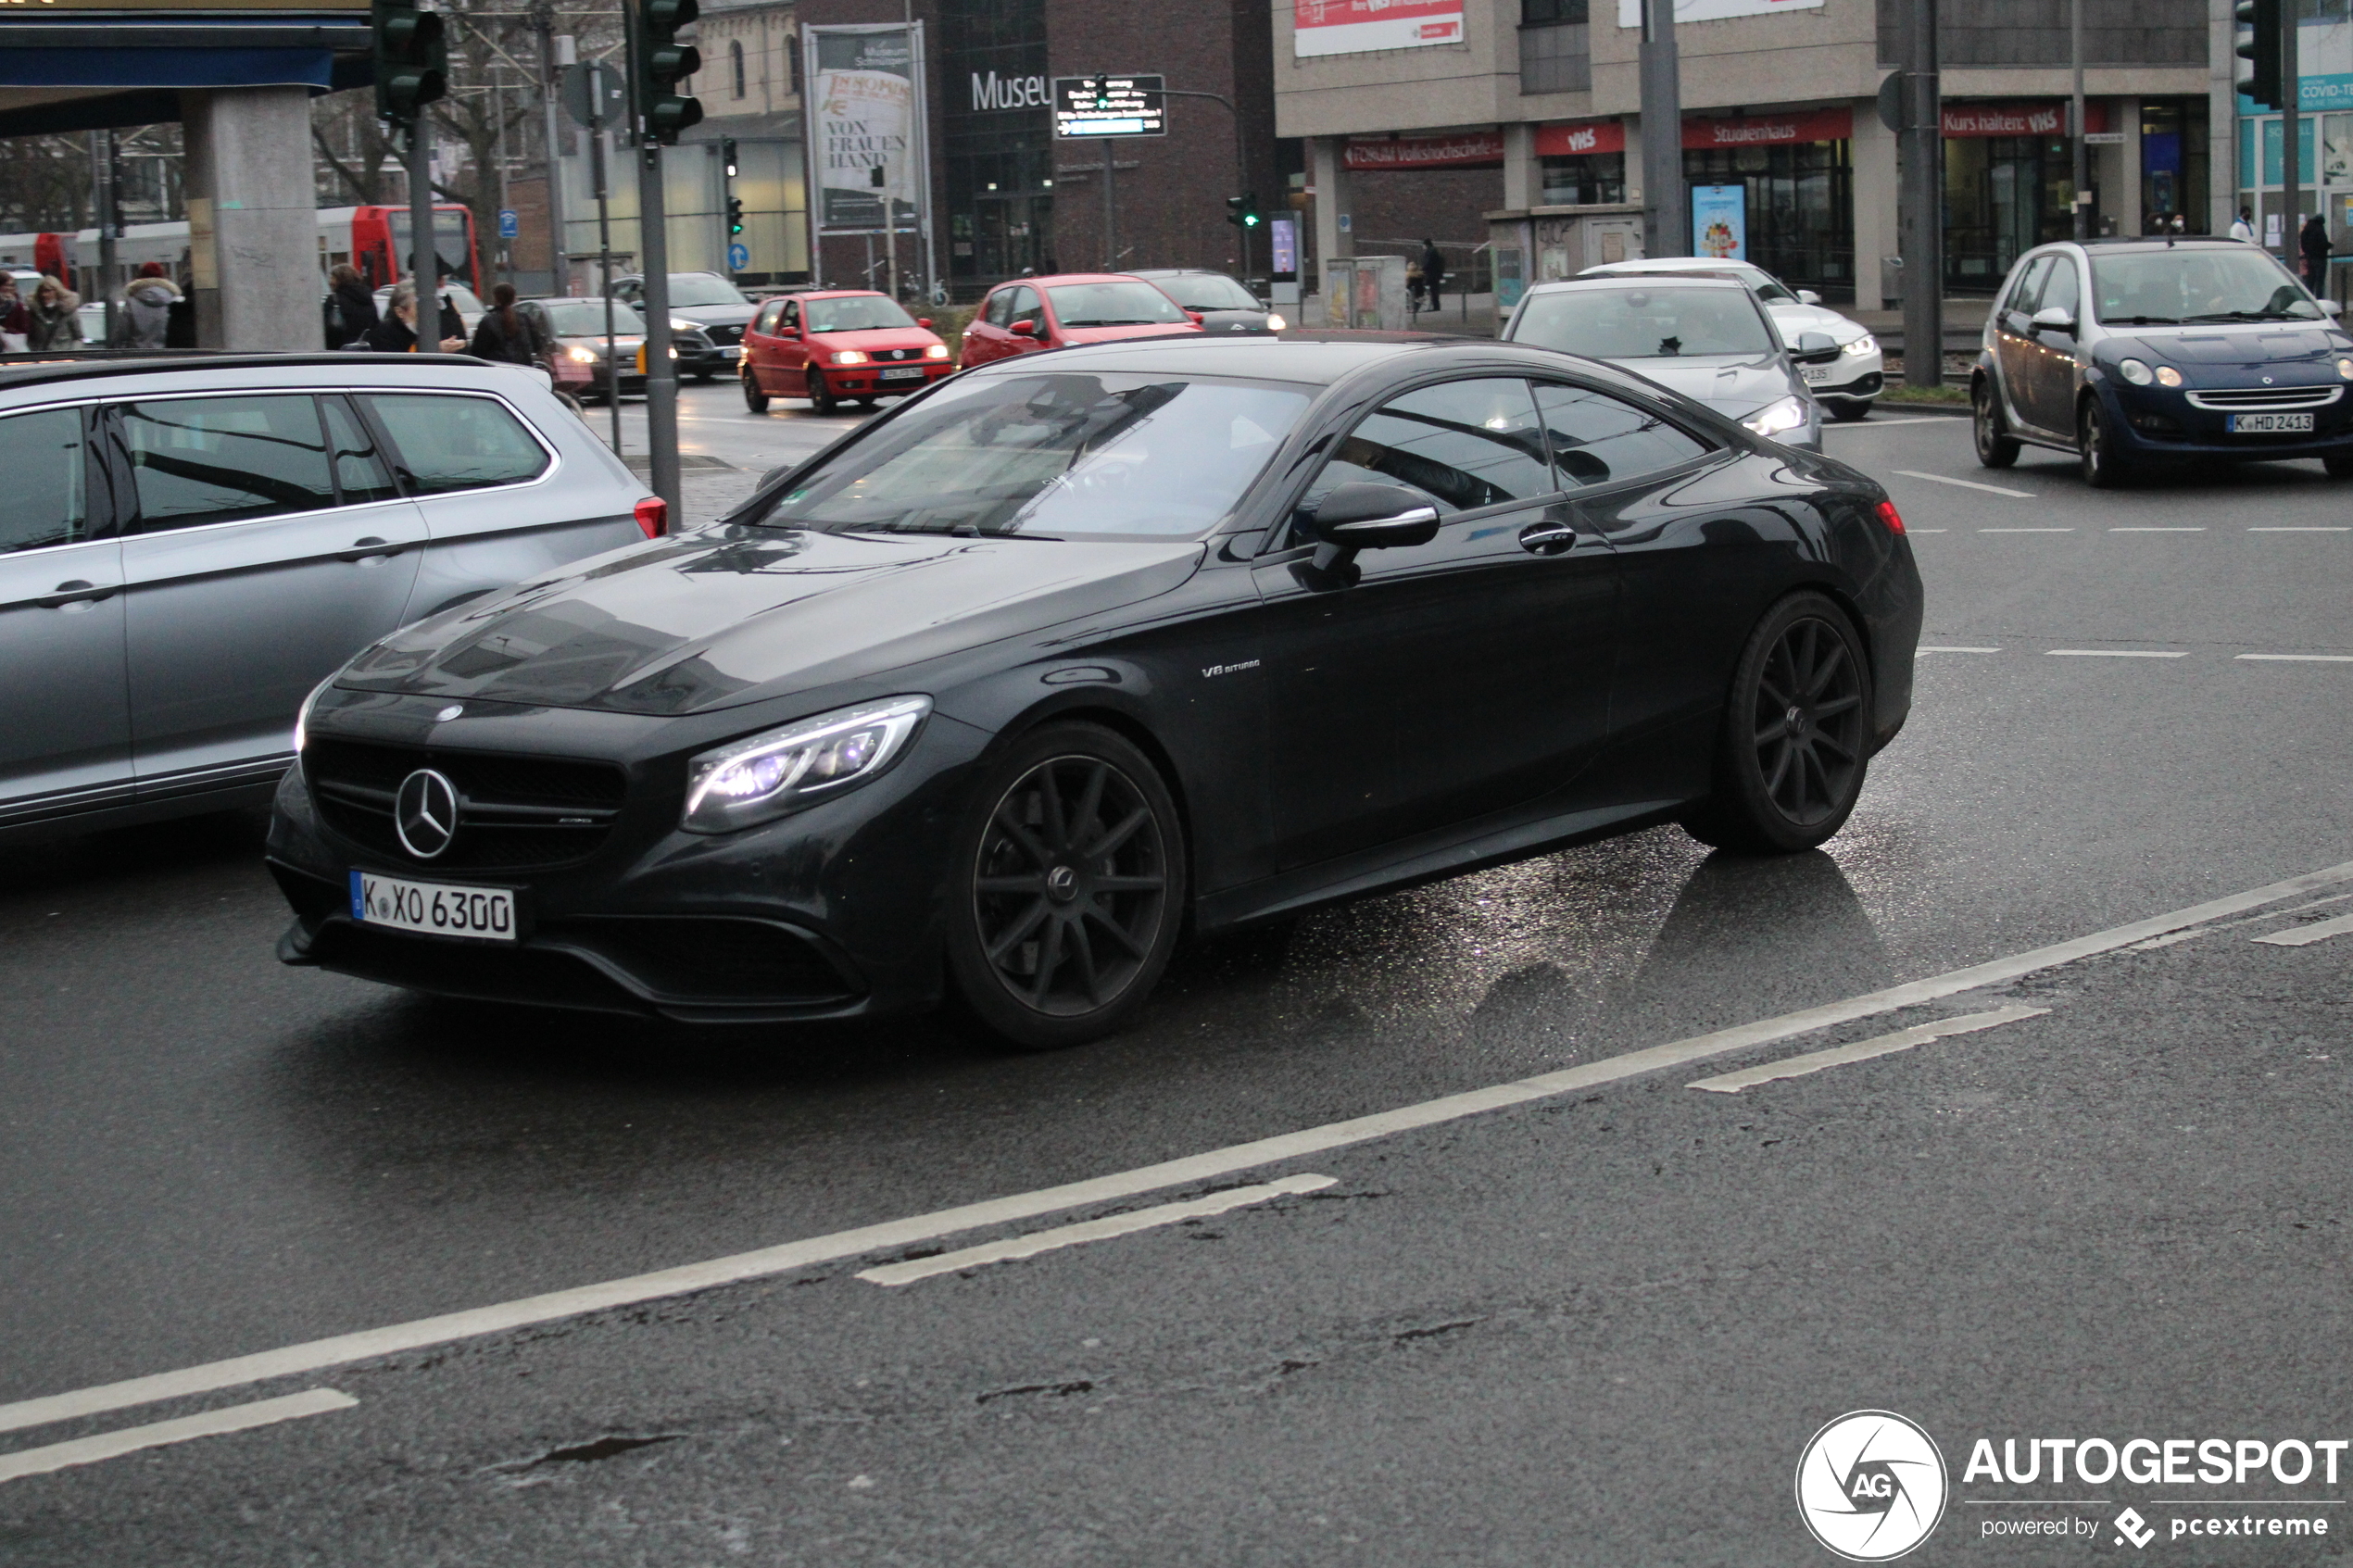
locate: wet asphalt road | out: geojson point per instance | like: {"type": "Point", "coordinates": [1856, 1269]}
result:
{"type": "Point", "coordinates": [1593, 1329]}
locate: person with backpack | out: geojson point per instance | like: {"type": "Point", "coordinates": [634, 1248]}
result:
{"type": "Point", "coordinates": [506, 335]}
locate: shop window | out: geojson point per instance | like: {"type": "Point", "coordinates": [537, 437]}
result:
{"type": "Point", "coordinates": [1555, 47]}
{"type": "Point", "coordinates": [1584, 179]}
{"type": "Point", "coordinates": [1800, 208]}
{"type": "Point", "coordinates": [2173, 161]}
{"type": "Point", "coordinates": [2003, 196]}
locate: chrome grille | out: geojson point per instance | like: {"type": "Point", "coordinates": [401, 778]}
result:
{"type": "Point", "coordinates": [2267, 397]}
{"type": "Point", "coordinates": [724, 335]}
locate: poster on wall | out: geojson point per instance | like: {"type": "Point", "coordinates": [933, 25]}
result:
{"type": "Point", "coordinates": [865, 112]}
{"type": "Point", "coordinates": [1629, 12]}
{"type": "Point", "coordinates": [1353, 27]}
{"type": "Point", "coordinates": [1720, 222]}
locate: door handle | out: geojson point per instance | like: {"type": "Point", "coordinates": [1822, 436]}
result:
{"type": "Point", "coordinates": [76, 592]}
{"type": "Point", "coordinates": [370, 545]}
{"type": "Point", "coordinates": [1548, 538]}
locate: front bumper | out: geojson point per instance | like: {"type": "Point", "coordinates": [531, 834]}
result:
{"type": "Point", "coordinates": [1859, 388]}
{"type": "Point", "coordinates": [867, 381]}
{"type": "Point", "coordinates": [2165, 422]}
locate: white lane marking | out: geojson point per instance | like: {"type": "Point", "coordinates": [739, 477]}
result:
{"type": "Point", "coordinates": [2109, 653]}
{"type": "Point", "coordinates": [1091, 1230]}
{"type": "Point", "coordinates": [2305, 935]}
{"type": "Point", "coordinates": [2196, 932]}
{"type": "Point", "coordinates": [2026, 531]}
{"type": "Point", "coordinates": [2300, 658]}
{"type": "Point", "coordinates": [1864, 1050]}
{"type": "Point", "coordinates": [2278, 528]}
{"type": "Point", "coordinates": [1954, 650]}
{"type": "Point", "coordinates": [1878, 423]}
{"type": "Point", "coordinates": [893, 1235]}
{"type": "Point", "coordinates": [1910, 530]}
{"type": "Point", "coordinates": [2153, 528]}
{"type": "Point", "coordinates": [131, 1439]}
{"type": "Point", "coordinates": [1969, 484]}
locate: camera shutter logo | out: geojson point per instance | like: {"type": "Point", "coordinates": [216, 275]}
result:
{"type": "Point", "coordinates": [1872, 1486]}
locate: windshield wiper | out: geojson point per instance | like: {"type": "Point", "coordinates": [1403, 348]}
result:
{"type": "Point", "coordinates": [2143, 320]}
{"type": "Point", "coordinates": [2250, 316]}
{"type": "Point", "coordinates": [1138, 321]}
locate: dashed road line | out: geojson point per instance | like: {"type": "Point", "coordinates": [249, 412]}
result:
{"type": "Point", "coordinates": [1969, 484]}
{"type": "Point", "coordinates": [2109, 653]}
{"type": "Point", "coordinates": [1864, 1050]}
{"type": "Point", "coordinates": [1942, 649]}
{"type": "Point", "coordinates": [2026, 531]}
{"type": "Point", "coordinates": [131, 1439]}
{"type": "Point", "coordinates": [2285, 528]}
{"type": "Point", "coordinates": [2193, 933]}
{"type": "Point", "coordinates": [1030, 1246]}
{"type": "Point", "coordinates": [896, 1236]}
{"type": "Point", "coordinates": [2305, 935]}
{"type": "Point", "coordinates": [2298, 657]}
{"type": "Point", "coordinates": [2154, 528]}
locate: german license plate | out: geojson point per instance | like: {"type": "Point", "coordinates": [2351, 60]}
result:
{"type": "Point", "coordinates": [732, 351]}
{"type": "Point", "coordinates": [909, 372]}
{"type": "Point", "coordinates": [1815, 375]}
{"type": "Point", "coordinates": [2266, 424]}
{"type": "Point", "coordinates": [480, 914]}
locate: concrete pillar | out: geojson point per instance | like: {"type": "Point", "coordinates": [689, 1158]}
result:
{"type": "Point", "coordinates": [1523, 180]}
{"type": "Point", "coordinates": [2124, 114]}
{"type": "Point", "coordinates": [253, 226]}
{"type": "Point", "coordinates": [1874, 189]}
{"type": "Point", "coordinates": [1327, 169]}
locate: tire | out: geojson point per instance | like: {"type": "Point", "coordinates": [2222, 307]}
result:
{"type": "Point", "coordinates": [754, 400]}
{"type": "Point", "coordinates": [2095, 449]}
{"type": "Point", "coordinates": [1786, 783]}
{"type": "Point", "coordinates": [2339, 468]}
{"type": "Point", "coordinates": [1043, 953]}
{"type": "Point", "coordinates": [820, 400]}
{"type": "Point", "coordinates": [1994, 448]}
{"type": "Point", "coordinates": [1847, 411]}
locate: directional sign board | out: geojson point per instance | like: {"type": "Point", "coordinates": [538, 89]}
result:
{"type": "Point", "coordinates": [738, 257]}
{"type": "Point", "coordinates": [1111, 106]}
{"type": "Point", "coordinates": [594, 91]}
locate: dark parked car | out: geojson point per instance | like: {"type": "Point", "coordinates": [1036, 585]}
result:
{"type": "Point", "coordinates": [704, 302]}
{"type": "Point", "coordinates": [1219, 303]}
{"type": "Point", "coordinates": [2134, 354]}
{"type": "Point", "coordinates": [1063, 657]}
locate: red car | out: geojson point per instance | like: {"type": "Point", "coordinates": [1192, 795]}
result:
{"type": "Point", "coordinates": [1029, 314]}
{"type": "Point", "coordinates": [832, 346]}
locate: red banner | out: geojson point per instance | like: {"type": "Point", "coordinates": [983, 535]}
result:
{"type": "Point", "coordinates": [1590, 136]}
{"type": "Point", "coordinates": [2044, 118]}
{"type": "Point", "coordinates": [1771, 129]}
{"type": "Point", "coordinates": [1472, 149]}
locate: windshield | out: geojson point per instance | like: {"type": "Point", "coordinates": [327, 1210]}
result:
{"type": "Point", "coordinates": [2238, 284]}
{"type": "Point", "coordinates": [1659, 322]}
{"type": "Point", "coordinates": [1208, 290]}
{"type": "Point", "coordinates": [701, 288]}
{"type": "Point", "coordinates": [1070, 456]}
{"type": "Point", "coordinates": [860, 313]}
{"type": "Point", "coordinates": [586, 317]}
{"type": "Point", "coordinates": [1125, 304]}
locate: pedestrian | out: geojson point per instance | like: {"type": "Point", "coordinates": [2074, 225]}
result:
{"type": "Point", "coordinates": [396, 333]}
{"type": "Point", "coordinates": [1414, 288]}
{"type": "Point", "coordinates": [2243, 226]}
{"type": "Point", "coordinates": [51, 321]}
{"type": "Point", "coordinates": [1433, 271]}
{"type": "Point", "coordinates": [14, 317]}
{"type": "Point", "coordinates": [506, 337]}
{"type": "Point", "coordinates": [351, 309]}
{"type": "Point", "coordinates": [451, 323]}
{"type": "Point", "coordinates": [2316, 247]}
{"type": "Point", "coordinates": [144, 320]}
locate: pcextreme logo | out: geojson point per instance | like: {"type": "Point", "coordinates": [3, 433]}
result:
{"type": "Point", "coordinates": [1870, 1485]}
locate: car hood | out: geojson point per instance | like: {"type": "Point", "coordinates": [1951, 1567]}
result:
{"type": "Point", "coordinates": [1735, 386]}
{"type": "Point", "coordinates": [715, 315]}
{"type": "Point", "coordinates": [1795, 319]}
{"type": "Point", "coordinates": [731, 615]}
{"type": "Point", "coordinates": [1113, 334]}
{"type": "Point", "coordinates": [2236, 348]}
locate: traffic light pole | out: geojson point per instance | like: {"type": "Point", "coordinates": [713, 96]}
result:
{"type": "Point", "coordinates": [2291, 176]}
{"type": "Point", "coordinates": [1922, 221]}
{"type": "Point", "coordinates": [661, 371]}
{"type": "Point", "coordinates": [424, 256]}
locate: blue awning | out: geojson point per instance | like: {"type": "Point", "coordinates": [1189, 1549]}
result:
{"type": "Point", "coordinates": [167, 67]}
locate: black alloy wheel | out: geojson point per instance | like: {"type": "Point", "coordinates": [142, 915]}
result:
{"type": "Point", "coordinates": [1796, 737]}
{"type": "Point", "coordinates": [820, 400]}
{"type": "Point", "coordinates": [754, 400]}
{"type": "Point", "coordinates": [1073, 892]}
{"type": "Point", "coordinates": [1995, 447]}
{"type": "Point", "coordinates": [2096, 449]}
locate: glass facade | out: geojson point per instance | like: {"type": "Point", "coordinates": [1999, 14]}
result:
{"type": "Point", "coordinates": [2173, 162]}
{"type": "Point", "coordinates": [999, 161]}
{"type": "Point", "coordinates": [2003, 196]}
{"type": "Point", "coordinates": [1801, 209]}
{"type": "Point", "coordinates": [1584, 179]}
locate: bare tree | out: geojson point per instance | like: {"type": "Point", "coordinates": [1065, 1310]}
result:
{"type": "Point", "coordinates": [44, 183]}
{"type": "Point", "coordinates": [355, 154]}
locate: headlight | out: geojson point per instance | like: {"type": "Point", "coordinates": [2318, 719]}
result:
{"type": "Point", "coordinates": [1775, 418]}
{"type": "Point", "coordinates": [2344, 368]}
{"type": "Point", "coordinates": [581, 356]}
{"type": "Point", "coordinates": [2167, 376]}
{"type": "Point", "coordinates": [2134, 371]}
{"type": "Point", "coordinates": [1866, 343]}
{"type": "Point", "coordinates": [678, 326]}
{"type": "Point", "coordinates": [302, 715]}
{"type": "Point", "coordinates": [766, 775]}
{"type": "Point", "coordinates": [937, 351]}
{"type": "Point", "coordinates": [1276, 323]}
{"type": "Point", "coordinates": [850, 356]}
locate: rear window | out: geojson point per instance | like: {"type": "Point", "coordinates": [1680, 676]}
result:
{"type": "Point", "coordinates": [448, 444]}
{"type": "Point", "coordinates": [1651, 322]}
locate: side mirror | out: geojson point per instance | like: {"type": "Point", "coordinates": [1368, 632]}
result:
{"type": "Point", "coordinates": [923, 321]}
{"type": "Point", "coordinates": [1194, 317]}
{"type": "Point", "coordinates": [2053, 318]}
{"type": "Point", "coordinates": [1815, 348]}
{"type": "Point", "coordinates": [1023, 328]}
{"type": "Point", "coordinates": [1370, 517]}
{"type": "Point", "coordinates": [1807, 297]}
{"type": "Point", "coordinates": [2330, 307]}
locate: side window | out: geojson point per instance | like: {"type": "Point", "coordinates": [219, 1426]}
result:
{"type": "Point", "coordinates": [791, 318]}
{"type": "Point", "coordinates": [1463, 444]}
{"type": "Point", "coordinates": [1597, 439]}
{"type": "Point", "coordinates": [361, 473]}
{"type": "Point", "coordinates": [1000, 307]}
{"type": "Point", "coordinates": [1027, 307]}
{"type": "Point", "coordinates": [2060, 288]}
{"type": "Point", "coordinates": [769, 314]}
{"type": "Point", "coordinates": [447, 444]}
{"type": "Point", "coordinates": [2030, 286]}
{"type": "Point", "coordinates": [43, 455]}
{"type": "Point", "coordinates": [195, 460]}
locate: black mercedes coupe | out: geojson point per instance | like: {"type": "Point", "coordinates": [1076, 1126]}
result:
{"type": "Point", "coordinates": [1007, 690]}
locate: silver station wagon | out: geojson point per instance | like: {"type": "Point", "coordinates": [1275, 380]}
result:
{"type": "Point", "coordinates": [188, 546]}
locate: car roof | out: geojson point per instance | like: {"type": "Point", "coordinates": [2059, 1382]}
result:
{"type": "Point", "coordinates": [1322, 358]}
{"type": "Point", "coordinates": [1621, 280]}
{"type": "Point", "coordinates": [1666, 264]}
{"type": "Point", "coordinates": [2159, 242]}
{"type": "Point", "coordinates": [1178, 272]}
{"type": "Point", "coordinates": [218, 368]}
{"type": "Point", "coordinates": [1072, 278]}
{"type": "Point", "coordinates": [837, 293]}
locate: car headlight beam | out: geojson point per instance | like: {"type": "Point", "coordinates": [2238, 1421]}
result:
{"type": "Point", "coordinates": [1274, 323]}
{"type": "Point", "coordinates": [850, 356]}
{"type": "Point", "coordinates": [1784, 414]}
{"type": "Point", "coordinates": [764, 776]}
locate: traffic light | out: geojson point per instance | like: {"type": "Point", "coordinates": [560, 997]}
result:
{"type": "Point", "coordinates": [412, 59]}
{"type": "Point", "coordinates": [728, 155]}
{"type": "Point", "coordinates": [1242, 212]}
{"type": "Point", "coordinates": [663, 63]}
{"type": "Point", "coordinates": [735, 214]}
{"type": "Point", "coordinates": [2263, 85]}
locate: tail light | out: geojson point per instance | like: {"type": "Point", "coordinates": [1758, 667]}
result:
{"type": "Point", "coordinates": [653, 517]}
{"type": "Point", "coordinates": [1887, 514]}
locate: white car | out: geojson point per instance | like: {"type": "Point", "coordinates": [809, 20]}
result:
{"type": "Point", "coordinates": [1845, 389]}
{"type": "Point", "coordinates": [471, 310]}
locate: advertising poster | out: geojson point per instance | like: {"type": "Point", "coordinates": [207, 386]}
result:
{"type": "Point", "coordinates": [1284, 237]}
{"type": "Point", "coordinates": [1353, 27]}
{"type": "Point", "coordinates": [866, 111]}
{"type": "Point", "coordinates": [1720, 222]}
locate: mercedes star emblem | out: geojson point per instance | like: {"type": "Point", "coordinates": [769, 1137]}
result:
{"type": "Point", "coordinates": [450, 712]}
{"type": "Point", "coordinates": [424, 814]}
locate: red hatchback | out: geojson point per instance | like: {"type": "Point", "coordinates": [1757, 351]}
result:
{"type": "Point", "coordinates": [832, 346]}
{"type": "Point", "coordinates": [1029, 314]}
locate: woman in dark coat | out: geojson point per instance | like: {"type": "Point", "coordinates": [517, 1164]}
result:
{"type": "Point", "coordinates": [351, 309]}
{"type": "Point", "coordinates": [506, 335]}
{"type": "Point", "coordinates": [2315, 242]}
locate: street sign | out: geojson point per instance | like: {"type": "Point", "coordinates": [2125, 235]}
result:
{"type": "Point", "coordinates": [738, 257]}
{"type": "Point", "coordinates": [611, 92]}
{"type": "Point", "coordinates": [508, 228]}
{"type": "Point", "coordinates": [1111, 106]}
